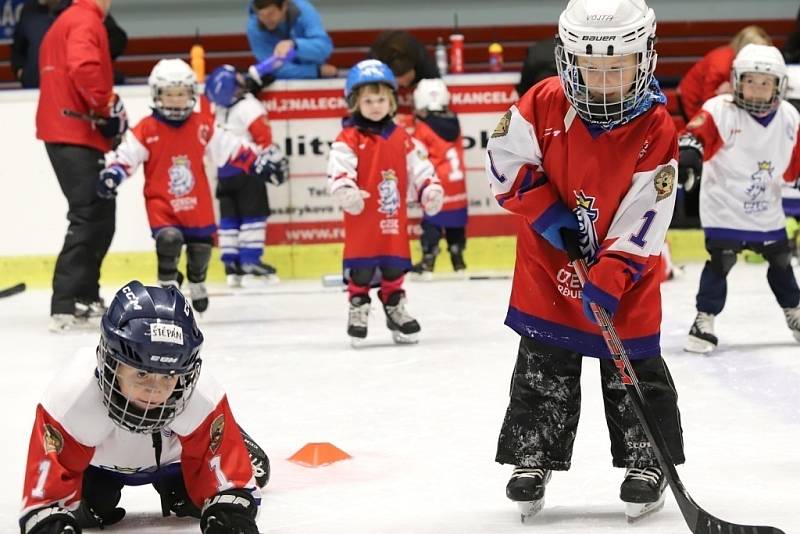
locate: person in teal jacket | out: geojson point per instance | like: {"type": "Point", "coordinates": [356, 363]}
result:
{"type": "Point", "coordinates": [278, 27]}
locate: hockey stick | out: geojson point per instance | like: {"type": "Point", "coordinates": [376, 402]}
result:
{"type": "Point", "coordinates": [13, 290]}
{"type": "Point", "coordinates": [698, 520]}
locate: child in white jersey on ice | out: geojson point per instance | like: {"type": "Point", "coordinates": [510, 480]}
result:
{"type": "Point", "coordinates": [745, 146]}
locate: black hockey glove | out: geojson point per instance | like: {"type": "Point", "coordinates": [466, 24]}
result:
{"type": "Point", "coordinates": [117, 121]}
{"type": "Point", "coordinates": [690, 162]}
{"type": "Point", "coordinates": [50, 520]}
{"type": "Point", "coordinates": [174, 498]}
{"type": "Point", "coordinates": [230, 512]}
{"type": "Point", "coordinates": [271, 166]}
{"type": "Point", "coordinates": [256, 85]}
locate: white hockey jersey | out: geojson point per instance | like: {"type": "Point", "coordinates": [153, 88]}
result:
{"type": "Point", "coordinates": [747, 162]}
{"type": "Point", "coordinates": [246, 119]}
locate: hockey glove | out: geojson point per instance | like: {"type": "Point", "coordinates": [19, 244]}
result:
{"type": "Point", "coordinates": [230, 512]}
{"type": "Point", "coordinates": [271, 166]}
{"type": "Point", "coordinates": [550, 223]}
{"type": "Point", "coordinates": [50, 520]}
{"type": "Point", "coordinates": [174, 497]}
{"type": "Point", "coordinates": [432, 199]}
{"type": "Point", "coordinates": [594, 295]}
{"type": "Point", "coordinates": [690, 162]}
{"type": "Point", "coordinates": [350, 198]}
{"type": "Point", "coordinates": [109, 180]}
{"type": "Point", "coordinates": [86, 517]}
{"type": "Point", "coordinates": [117, 121]}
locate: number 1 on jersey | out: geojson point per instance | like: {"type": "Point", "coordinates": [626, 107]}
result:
{"type": "Point", "coordinates": [455, 165]}
{"type": "Point", "coordinates": [44, 469]}
{"type": "Point", "coordinates": [638, 238]}
{"type": "Point", "coordinates": [215, 464]}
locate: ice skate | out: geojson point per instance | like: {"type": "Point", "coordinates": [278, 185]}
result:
{"type": "Point", "coordinates": [642, 491]}
{"type": "Point", "coordinates": [90, 309]}
{"type": "Point", "coordinates": [233, 274]}
{"type": "Point", "coordinates": [264, 271]}
{"type": "Point", "coordinates": [701, 336]}
{"type": "Point", "coordinates": [526, 488]}
{"type": "Point", "coordinates": [425, 267]}
{"type": "Point", "coordinates": [176, 282]}
{"type": "Point", "coordinates": [61, 323]}
{"type": "Point", "coordinates": [404, 328]}
{"type": "Point", "coordinates": [199, 296]}
{"type": "Point", "coordinates": [793, 320]}
{"type": "Point", "coordinates": [457, 258]}
{"type": "Point", "coordinates": [358, 319]}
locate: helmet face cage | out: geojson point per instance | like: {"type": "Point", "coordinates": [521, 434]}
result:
{"type": "Point", "coordinates": [131, 417]}
{"type": "Point", "coordinates": [757, 107]}
{"type": "Point", "coordinates": [612, 100]}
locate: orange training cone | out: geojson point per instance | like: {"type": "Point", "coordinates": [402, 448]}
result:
{"type": "Point", "coordinates": [318, 454]}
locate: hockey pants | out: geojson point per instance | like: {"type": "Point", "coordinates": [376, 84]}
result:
{"type": "Point", "coordinates": [713, 289]}
{"type": "Point", "coordinates": [542, 418]}
{"type": "Point", "coordinates": [244, 208]}
{"type": "Point", "coordinates": [91, 226]}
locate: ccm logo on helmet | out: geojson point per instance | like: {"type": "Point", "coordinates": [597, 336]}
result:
{"type": "Point", "coordinates": [597, 38]}
{"type": "Point", "coordinates": [163, 359]}
{"type": "Point", "coordinates": [131, 297]}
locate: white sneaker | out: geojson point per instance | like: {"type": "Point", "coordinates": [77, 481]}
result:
{"type": "Point", "coordinates": [701, 336]}
{"type": "Point", "coordinates": [793, 320]}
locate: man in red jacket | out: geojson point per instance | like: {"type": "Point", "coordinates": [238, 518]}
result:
{"type": "Point", "coordinates": [77, 118]}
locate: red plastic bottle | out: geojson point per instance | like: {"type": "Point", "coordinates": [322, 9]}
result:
{"type": "Point", "coordinates": [456, 53]}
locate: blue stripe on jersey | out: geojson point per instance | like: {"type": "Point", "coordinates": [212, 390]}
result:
{"type": "Point", "coordinates": [747, 236]}
{"type": "Point", "coordinates": [791, 207]}
{"type": "Point", "coordinates": [448, 219]}
{"type": "Point", "coordinates": [187, 231]}
{"type": "Point", "coordinates": [576, 340]}
{"type": "Point", "coordinates": [141, 478]}
{"type": "Point", "coordinates": [396, 262]}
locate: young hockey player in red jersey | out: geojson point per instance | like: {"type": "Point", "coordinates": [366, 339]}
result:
{"type": "Point", "coordinates": [593, 150]}
{"type": "Point", "coordinates": [243, 202]}
{"type": "Point", "coordinates": [436, 127]}
{"type": "Point", "coordinates": [171, 143]}
{"type": "Point", "coordinates": [140, 413]}
{"type": "Point", "coordinates": [374, 167]}
{"type": "Point", "coordinates": [749, 142]}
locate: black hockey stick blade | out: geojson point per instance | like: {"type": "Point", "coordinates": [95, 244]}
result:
{"type": "Point", "coordinates": [13, 290]}
{"type": "Point", "coordinates": [698, 520]}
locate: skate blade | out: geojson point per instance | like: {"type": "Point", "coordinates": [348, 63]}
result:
{"type": "Point", "coordinates": [796, 334]}
{"type": "Point", "coordinates": [404, 339]}
{"type": "Point", "coordinates": [636, 511]}
{"type": "Point", "coordinates": [698, 346]}
{"type": "Point", "coordinates": [233, 280]}
{"type": "Point", "coordinates": [528, 509]}
{"type": "Point", "coordinates": [357, 342]}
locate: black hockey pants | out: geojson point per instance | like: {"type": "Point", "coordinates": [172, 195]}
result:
{"type": "Point", "coordinates": [713, 289]}
{"type": "Point", "coordinates": [542, 418]}
{"type": "Point", "coordinates": [91, 226]}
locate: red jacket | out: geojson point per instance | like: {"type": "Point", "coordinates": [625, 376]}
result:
{"type": "Point", "coordinates": [700, 83]}
{"type": "Point", "coordinates": [76, 74]}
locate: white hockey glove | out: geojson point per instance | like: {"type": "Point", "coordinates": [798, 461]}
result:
{"type": "Point", "coordinates": [109, 181]}
{"type": "Point", "coordinates": [432, 199]}
{"type": "Point", "coordinates": [351, 198]}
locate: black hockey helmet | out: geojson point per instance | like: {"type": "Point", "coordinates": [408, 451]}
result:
{"type": "Point", "coordinates": [152, 330]}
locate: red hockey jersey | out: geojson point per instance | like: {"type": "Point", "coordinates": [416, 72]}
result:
{"type": "Point", "coordinates": [176, 189]}
{"type": "Point", "coordinates": [392, 168]}
{"type": "Point", "coordinates": [447, 157]}
{"type": "Point", "coordinates": [72, 431]}
{"type": "Point", "coordinates": [621, 186]}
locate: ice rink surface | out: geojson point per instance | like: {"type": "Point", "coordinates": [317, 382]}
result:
{"type": "Point", "coordinates": [421, 422]}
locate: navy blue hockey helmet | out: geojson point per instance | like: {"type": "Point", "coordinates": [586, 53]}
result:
{"type": "Point", "coordinates": [223, 87]}
{"type": "Point", "coordinates": [152, 331]}
{"type": "Point", "coordinates": [367, 72]}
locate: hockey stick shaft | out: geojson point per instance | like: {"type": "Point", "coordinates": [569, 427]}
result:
{"type": "Point", "coordinates": [698, 520]}
{"type": "Point", "coordinates": [13, 290]}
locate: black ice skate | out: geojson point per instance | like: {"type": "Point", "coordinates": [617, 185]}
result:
{"type": "Point", "coordinates": [404, 328]}
{"type": "Point", "coordinates": [701, 336]}
{"type": "Point", "coordinates": [457, 258]}
{"type": "Point", "coordinates": [172, 282]}
{"type": "Point", "coordinates": [265, 271]}
{"type": "Point", "coordinates": [793, 320]}
{"type": "Point", "coordinates": [642, 491]}
{"type": "Point", "coordinates": [358, 319]}
{"type": "Point", "coordinates": [233, 274]}
{"type": "Point", "coordinates": [526, 488]}
{"type": "Point", "coordinates": [199, 296]}
{"type": "Point", "coordinates": [425, 267]}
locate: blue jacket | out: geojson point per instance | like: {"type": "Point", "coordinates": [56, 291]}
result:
{"type": "Point", "coordinates": [303, 25]}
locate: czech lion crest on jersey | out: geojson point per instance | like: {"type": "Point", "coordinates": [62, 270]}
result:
{"type": "Point", "coordinates": [587, 215]}
{"type": "Point", "coordinates": [389, 193]}
{"type": "Point", "coordinates": [759, 182]}
{"type": "Point", "coordinates": [181, 178]}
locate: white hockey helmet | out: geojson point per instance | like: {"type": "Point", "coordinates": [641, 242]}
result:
{"type": "Point", "coordinates": [172, 73]}
{"type": "Point", "coordinates": [761, 59]}
{"type": "Point", "coordinates": [431, 94]}
{"type": "Point", "coordinates": [606, 29]}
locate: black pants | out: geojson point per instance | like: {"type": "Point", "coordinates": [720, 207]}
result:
{"type": "Point", "coordinates": [432, 234]}
{"type": "Point", "coordinates": [91, 226]}
{"type": "Point", "coordinates": [242, 196]}
{"type": "Point", "coordinates": [713, 289]}
{"type": "Point", "coordinates": [542, 418]}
